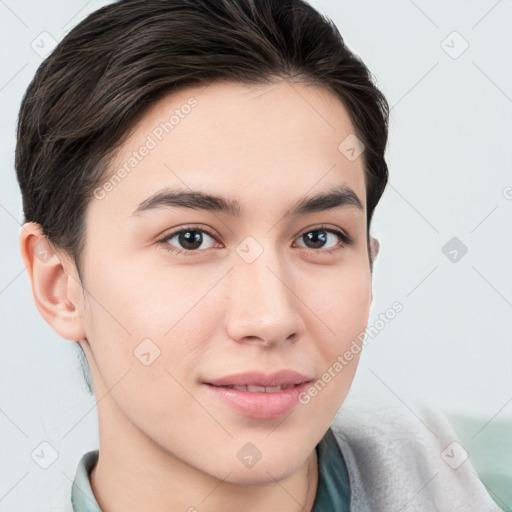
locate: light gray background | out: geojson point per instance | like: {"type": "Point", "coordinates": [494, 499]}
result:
{"type": "Point", "coordinates": [449, 157]}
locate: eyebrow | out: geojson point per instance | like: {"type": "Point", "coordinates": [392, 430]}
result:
{"type": "Point", "coordinates": [337, 197]}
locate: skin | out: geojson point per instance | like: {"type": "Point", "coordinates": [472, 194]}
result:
{"type": "Point", "coordinates": [165, 442]}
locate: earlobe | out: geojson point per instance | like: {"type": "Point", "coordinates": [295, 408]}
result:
{"type": "Point", "coordinates": [54, 289]}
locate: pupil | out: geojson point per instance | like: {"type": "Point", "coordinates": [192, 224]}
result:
{"type": "Point", "coordinates": [317, 239]}
{"type": "Point", "coordinates": [189, 239]}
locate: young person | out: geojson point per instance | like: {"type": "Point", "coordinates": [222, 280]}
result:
{"type": "Point", "coordinates": [199, 179]}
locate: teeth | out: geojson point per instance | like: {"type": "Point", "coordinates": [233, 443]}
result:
{"type": "Point", "coordinates": [272, 389]}
{"type": "Point", "coordinates": [260, 389]}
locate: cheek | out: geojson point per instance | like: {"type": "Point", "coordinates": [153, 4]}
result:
{"type": "Point", "coordinates": [343, 309]}
{"type": "Point", "coordinates": [351, 311]}
{"type": "Point", "coordinates": [137, 301]}
{"type": "Point", "coordinates": [147, 323]}
{"type": "Point", "coordinates": [142, 370]}
{"type": "Point", "coordinates": [341, 304]}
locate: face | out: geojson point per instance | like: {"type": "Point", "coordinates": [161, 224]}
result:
{"type": "Point", "coordinates": [181, 290]}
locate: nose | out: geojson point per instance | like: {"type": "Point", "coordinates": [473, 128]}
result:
{"type": "Point", "coordinates": [263, 306]}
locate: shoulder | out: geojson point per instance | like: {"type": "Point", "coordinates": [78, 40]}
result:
{"type": "Point", "coordinates": [406, 458]}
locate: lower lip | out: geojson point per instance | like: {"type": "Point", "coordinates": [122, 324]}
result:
{"type": "Point", "coordinates": [263, 406]}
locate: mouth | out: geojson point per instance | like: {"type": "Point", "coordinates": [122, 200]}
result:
{"type": "Point", "coordinates": [257, 402]}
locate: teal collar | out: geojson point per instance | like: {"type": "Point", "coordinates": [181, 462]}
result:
{"type": "Point", "coordinates": [82, 498]}
{"type": "Point", "coordinates": [333, 493]}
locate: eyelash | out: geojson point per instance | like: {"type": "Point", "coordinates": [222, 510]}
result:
{"type": "Point", "coordinates": [345, 240]}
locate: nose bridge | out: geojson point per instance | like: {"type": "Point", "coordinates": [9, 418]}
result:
{"type": "Point", "coordinates": [262, 303]}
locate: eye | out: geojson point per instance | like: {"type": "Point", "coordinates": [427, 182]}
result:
{"type": "Point", "coordinates": [318, 237]}
{"type": "Point", "coordinates": [190, 239]}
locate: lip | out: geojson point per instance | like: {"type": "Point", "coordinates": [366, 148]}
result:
{"type": "Point", "coordinates": [279, 378]}
{"type": "Point", "coordinates": [260, 405]}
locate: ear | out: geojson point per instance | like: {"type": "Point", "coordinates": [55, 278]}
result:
{"type": "Point", "coordinates": [55, 283]}
{"type": "Point", "coordinates": [374, 247]}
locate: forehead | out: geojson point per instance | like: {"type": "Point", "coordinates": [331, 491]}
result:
{"type": "Point", "coordinates": [260, 144]}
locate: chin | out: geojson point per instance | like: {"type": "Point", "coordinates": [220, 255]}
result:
{"type": "Point", "coordinates": [261, 473]}
{"type": "Point", "coordinates": [250, 466]}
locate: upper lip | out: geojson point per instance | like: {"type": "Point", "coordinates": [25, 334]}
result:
{"type": "Point", "coordinates": [279, 378]}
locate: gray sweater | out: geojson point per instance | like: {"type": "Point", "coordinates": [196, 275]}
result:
{"type": "Point", "coordinates": [401, 459]}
